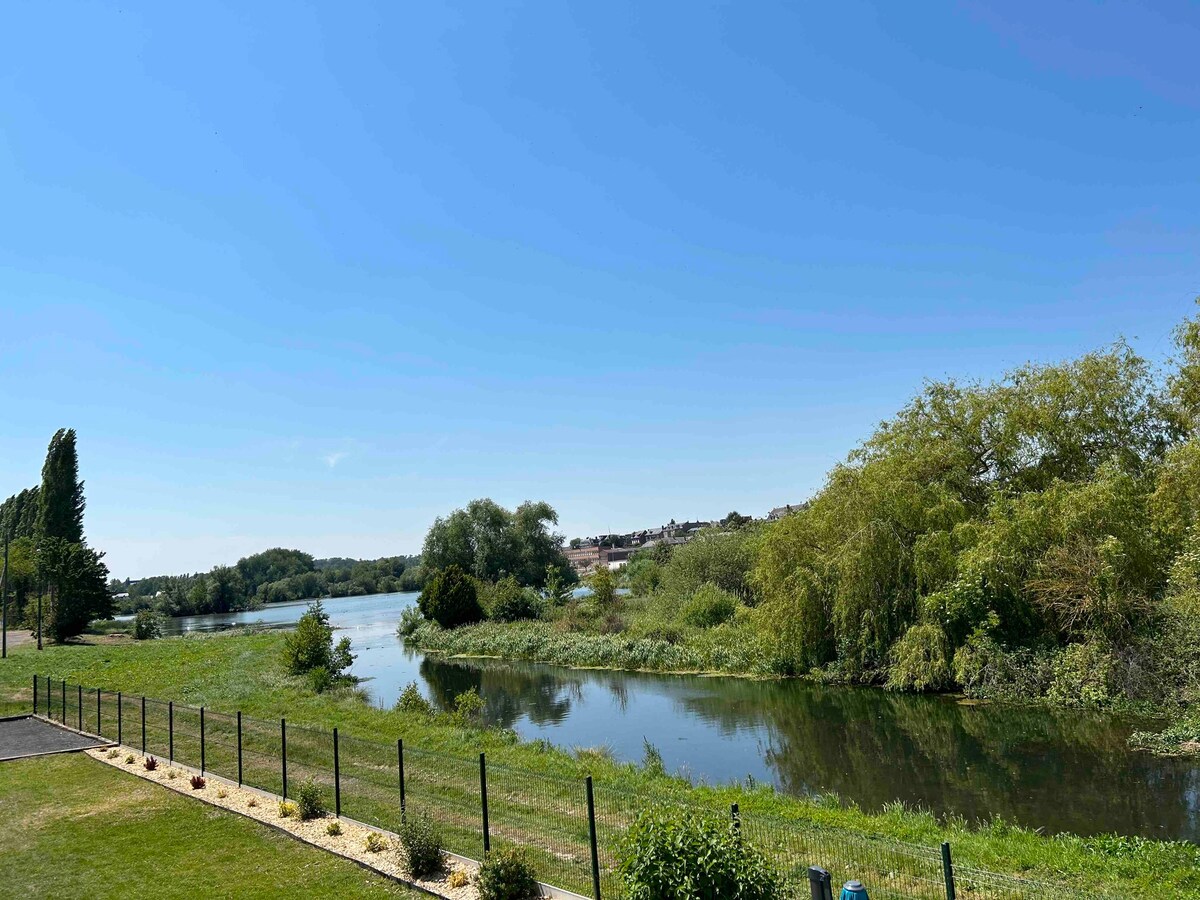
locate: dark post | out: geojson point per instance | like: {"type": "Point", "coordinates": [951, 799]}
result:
{"type": "Point", "coordinates": [239, 748]}
{"type": "Point", "coordinates": [737, 819]}
{"type": "Point", "coordinates": [948, 870]}
{"type": "Point", "coordinates": [98, 731]}
{"type": "Point", "coordinates": [591, 802]}
{"type": "Point", "coordinates": [202, 740]}
{"type": "Point", "coordinates": [39, 622]}
{"type": "Point", "coordinates": [171, 730]}
{"type": "Point", "coordinates": [120, 716]}
{"type": "Point", "coordinates": [143, 725]}
{"type": "Point", "coordinates": [4, 604]}
{"type": "Point", "coordinates": [400, 765]}
{"type": "Point", "coordinates": [35, 690]}
{"type": "Point", "coordinates": [64, 701]}
{"type": "Point", "coordinates": [337, 778]}
{"type": "Point", "coordinates": [819, 883]}
{"type": "Point", "coordinates": [487, 838]}
{"type": "Point", "coordinates": [79, 705]}
{"type": "Point", "coordinates": [283, 749]}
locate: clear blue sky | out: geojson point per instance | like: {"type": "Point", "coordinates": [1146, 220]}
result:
{"type": "Point", "coordinates": [310, 275]}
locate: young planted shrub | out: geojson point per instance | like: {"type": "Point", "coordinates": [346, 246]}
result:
{"type": "Point", "coordinates": [150, 763]}
{"type": "Point", "coordinates": [673, 855]}
{"type": "Point", "coordinates": [507, 875]}
{"type": "Point", "coordinates": [450, 599]}
{"type": "Point", "coordinates": [375, 843]}
{"type": "Point", "coordinates": [287, 809]}
{"type": "Point", "coordinates": [310, 800]}
{"type": "Point", "coordinates": [198, 782]}
{"type": "Point", "coordinates": [421, 842]}
{"type": "Point", "coordinates": [334, 828]}
{"type": "Point", "coordinates": [147, 625]}
{"type": "Point", "coordinates": [709, 606]}
{"type": "Point", "coordinates": [129, 760]}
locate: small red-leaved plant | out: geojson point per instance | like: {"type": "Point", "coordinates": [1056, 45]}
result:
{"type": "Point", "coordinates": [150, 763]}
{"type": "Point", "coordinates": [198, 782]}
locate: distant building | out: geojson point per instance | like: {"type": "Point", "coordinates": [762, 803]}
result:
{"type": "Point", "coordinates": [780, 511]}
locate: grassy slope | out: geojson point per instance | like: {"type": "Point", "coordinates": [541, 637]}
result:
{"type": "Point", "coordinates": [231, 672]}
{"type": "Point", "coordinates": [79, 828]}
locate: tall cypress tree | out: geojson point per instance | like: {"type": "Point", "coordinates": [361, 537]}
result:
{"type": "Point", "coordinates": [60, 501]}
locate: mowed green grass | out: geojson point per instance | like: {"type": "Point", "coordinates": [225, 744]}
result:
{"type": "Point", "coordinates": [537, 790]}
{"type": "Point", "coordinates": [78, 828]}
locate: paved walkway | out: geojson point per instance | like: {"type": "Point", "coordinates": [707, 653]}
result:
{"type": "Point", "coordinates": [33, 737]}
{"type": "Point", "coordinates": [17, 638]}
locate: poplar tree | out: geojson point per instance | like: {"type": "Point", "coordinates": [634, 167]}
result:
{"type": "Point", "coordinates": [60, 501]}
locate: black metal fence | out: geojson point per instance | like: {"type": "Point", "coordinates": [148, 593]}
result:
{"type": "Point", "coordinates": [571, 830]}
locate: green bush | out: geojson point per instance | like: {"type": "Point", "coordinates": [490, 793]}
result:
{"type": "Point", "coordinates": [311, 646]}
{"type": "Point", "coordinates": [450, 599]}
{"type": "Point", "coordinates": [410, 620]}
{"type": "Point", "coordinates": [310, 800]}
{"type": "Point", "coordinates": [507, 875]}
{"type": "Point", "coordinates": [709, 606]}
{"type": "Point", "coordinates": [421, 841]}
{"type": "Point", "coordinates": [1083, 675]}
{"type": "Point", "coordinates": [147, 625]}
{"type": "Point", "coordinates": [512, 603]}
{"type": "Point", "coordinates": [920, 660]}
{"type": "Point", "coordinates": [468, 709]}
{"type": "Point", "coordinates": [412, 701]}
{"type": "Point", "coordinates": [673, 855]}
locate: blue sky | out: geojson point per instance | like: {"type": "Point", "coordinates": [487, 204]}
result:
{"type": "Point", "coordinates": [310, 275]}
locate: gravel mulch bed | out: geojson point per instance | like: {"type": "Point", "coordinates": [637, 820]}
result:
{"type": "Point", "coordinates": [263, 807]}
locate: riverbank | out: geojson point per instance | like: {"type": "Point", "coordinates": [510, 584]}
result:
{"type": "Point", "coordinates": [235, 671]}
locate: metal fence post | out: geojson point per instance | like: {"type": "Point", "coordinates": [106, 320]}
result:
{"type": "Point", "coordinates": [64, 701]}
{"type": "Point", "coordinates": [239, 748]}
{"type": "Point", "coordinates": [79, 704]}
{"type": "Point", "coordinates": [283, 752]}
{"type": "Point", "coordinates": [98, 730]}
{"type": "Point", "coordinates": [35, 692]}
{"type": "Point", "coordinates": [143, 724]}
{"type": "Point", "coordinates": [948, 870]}
{"type": "Point", "coordinates": [337, 777]}
{"type": "Point", "coordinates": [487, 838]}
{"type": "Point", "coordinates": [820, 884]}
{"type": "Point", "coordinates": [120, 717]}
{"type": "Point", "coordinates": [171, 731]}
{"type": "Point", "coordinates": [736, 819]}
{"type": "Point", "coordinates": [400, 766]}
{"type": "Point", "coordinates": [202, 740]}
{"type": "Point", "coordinates": [591, 803]}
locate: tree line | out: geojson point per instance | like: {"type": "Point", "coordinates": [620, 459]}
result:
{"type": "Point", "coordinates": [272, 576]}
{"type": "Point", "coordinates": [50, 565]}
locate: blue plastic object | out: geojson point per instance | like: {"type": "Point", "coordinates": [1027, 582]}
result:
{"type": "Point", "coordinates": [854, 890]}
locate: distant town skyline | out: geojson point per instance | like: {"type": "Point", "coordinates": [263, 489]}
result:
{"type": "Point", "coordinates": [385, 259]}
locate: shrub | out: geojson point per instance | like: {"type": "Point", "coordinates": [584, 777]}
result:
{"type": "Point", "coordinates": [222, 793]}
{"type": "Point", "coordinates": [375, 843]}
{"type": "Point", "coordinates": [1083, 675]}
{"type": "Point", "coordinates": [604, 588]}
{"type": "Point", "coordinates": [421, 841]}
{"type": "Point", "coordinates": [147, 625]}
{"type": "Point", "coordinates": [458, 879]}
{"type": "Point", "coordinates": [252, 803]}
{"type": "Point", "coordinates": [709, 606]}
{"type": "Point", "coordinates": [410, 620]}
{"type": "Point", "coordinates": [310, 647]}
{"type": "Point", "coordinates": [507, 875]}
{"type": "Point", "coordinates": [334, 828]}
{"type": "Point", "coordinates": [450, 599]}
{"type": "Point", "coordinates": [320, 680]}
{"type": "Point", "coordinates": [287, 809]}
{"type": "Point", "coordinates": [411, 700]}
{"type": "Point", "coordinates": [512, 603]}
{"type": "Point", "coordinates": [172, 774]}
{"type": "Point", "coordinates": [129, 760]}
{"type": "Point", "coordinates": [150, 763]}
{"type": "Point", "coordinates": [113, 754]}
{"type": "Point", "coordinates": [676, 856]}
{"type": "Point", "coordinates": [310, 800]}
{"type": "Point", "coordinates": [468, 708]}
{"type": "Point", "coordinates": [920, 660]}
{"type": "Point", "coordinates": [198, 782]}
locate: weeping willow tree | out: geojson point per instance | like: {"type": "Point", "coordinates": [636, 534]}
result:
{"type": "Point", "coordinates": [1042, 509]}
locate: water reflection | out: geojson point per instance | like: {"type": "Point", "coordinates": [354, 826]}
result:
{"type": "Point", "coordinates": [1061, 771]}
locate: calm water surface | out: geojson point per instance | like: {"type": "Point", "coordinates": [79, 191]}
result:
{"type": "Point", "coordinates": [1060, 771]}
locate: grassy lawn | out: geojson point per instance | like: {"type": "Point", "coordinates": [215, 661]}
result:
{"type": "Point", "coordinates": [78, 828]}
{"type": "Point", "coordinates": [537, 790]}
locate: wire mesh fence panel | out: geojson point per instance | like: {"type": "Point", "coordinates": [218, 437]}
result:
{"type": "Point", "coordinates": [370, 788]}
{"type": "Point", "coordinates": [131, 721]}
{"type": "Point", "coordinates": [262, 754]}
{"type": "Point", "coordinates": [157, 734]}
{"type": "Point", "coordinates": [187, 735]}
{"type": "Point", "coordinates": [446, 789]}
{"type": "Point", "coordinates": [220, 744]}
{"type": "Point", "coordinates": [548, 818]}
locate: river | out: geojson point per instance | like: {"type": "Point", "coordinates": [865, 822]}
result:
{"type": "Point", "coordinates": [1056, 770]}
